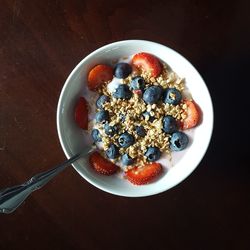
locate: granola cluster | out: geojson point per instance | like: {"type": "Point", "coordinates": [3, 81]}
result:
{"type": "Point", "coordinates": [127, 114]}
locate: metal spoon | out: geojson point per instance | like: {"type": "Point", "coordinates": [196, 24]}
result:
{"type": "Point", "coordinates": [13, 197]}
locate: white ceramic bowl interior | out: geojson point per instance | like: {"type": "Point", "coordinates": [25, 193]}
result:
{"type": "Point", "coordinates": [71, 137]}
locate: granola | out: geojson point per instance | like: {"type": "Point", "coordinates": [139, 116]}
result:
{"type": "Point", "coordinates": [126, 115]}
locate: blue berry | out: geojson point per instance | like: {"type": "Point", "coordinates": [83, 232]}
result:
{"type": "Point", "coordinates": [122, 117]}
{"type": "Point", "coordinates": [122, 70]}
{"type": "Point", "coordinates": [96, 135]}
{"type": "Point", "coordinates": [178, 141]}
{"type": "Point", "coordinates": [122, 92]}
{"type": "Point", "coordinates": [147, 114]}
{"type": "Point", "coordinates": [152, 94]}
{"type": "Point", "coordinates": [137, 83]}
{"type": "Point", "coordinates": [102, 116]}
{"type": "Point", "coordinates": [127, 160]}
{"type": "Point", "coordinates": [112, 152]}
{"type": "Point", "coordinates": [172, 96]}
{"type": "Point", "coordinates": [140, 130]}
{"type": "Point", "coordinates": [110, 130]}
{"type": "Point", "coordinates": [101, 100]}
{"type": "Point", "coordinates": [169, 124]}
{"type": "Point", "coordinates": [153, 154]}
{"type": "Point", "coordinates": [126, 139]}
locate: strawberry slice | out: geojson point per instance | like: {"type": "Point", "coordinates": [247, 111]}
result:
{"type": "Point", "coordinates": [98, 75]}
{"type": "Point", "coordinates": [102, 165]}
{"type": "Point", "coordinates": [147, 62]}
{"type": "Point", "coordinates": [81, 113]}
{"type": "Point", "coordinates": [193, 115]}
{"type": "Point", "coordinates": [145, 174]}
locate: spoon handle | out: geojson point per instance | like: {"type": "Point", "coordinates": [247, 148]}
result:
{"type": "Point", "coordinates": [12, 197]}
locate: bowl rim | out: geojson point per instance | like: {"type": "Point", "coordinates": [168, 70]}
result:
{"type": "Point", "coordinates": [59, 129]}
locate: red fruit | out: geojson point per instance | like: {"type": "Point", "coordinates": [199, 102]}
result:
{"type": "Point", "coordinates": [102, 165]}
{"type": "Point", "coordinates": [145, 174]}
{"type": "Point", "coordinates": [81, 113]}
{"type": "Point", "coordinates": [137, 91]}
{"type": "Point", "coordinates": [193, 115]}
{"type": "Point", "coordinates": [98, 75]}
{"type": "Point", "coordinates": [147, 62]}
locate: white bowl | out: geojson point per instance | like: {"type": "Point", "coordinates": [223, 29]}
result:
{"type": "Point", "coordinates": [71, 137]}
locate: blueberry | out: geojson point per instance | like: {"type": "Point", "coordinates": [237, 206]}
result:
{"type": "Point", "coordinates": [102, 116]}
{"type": "Point", "coordinates": [122, 117]}
{"type": "Point", "coordinates": [110, 130]}
{"type": "Point", "coordinates": [126, 139]}
{"type": "Point", "coordinates": [137, 83]}
{"type": "Point", "coordinates": [122, 70]}
{"type": "Point", "coordinates": [147, 114]}
{"type": "Point", "coordinates": [169, 124]}
{"type": "Point", "coordinates": [153, 154]}
{"type": "Point", "coordinates": [96, 135]}
{"type": "Point", "coordinates": [127, 160]}
{"type": "Point", "coordinates": [112, 152]}
{"type": "Point", "coordinates": [172, 96]}
{"type": "Point", "coordinates": [152, 94]}
{"type": "Point", "coordinates": [122, 92]}
{"type": "Point", "coordinates": [178, 141]}
{"type": "Point", "coordinates": [140, 131]}
{"type": "Point", "coordinates": [101, 100]}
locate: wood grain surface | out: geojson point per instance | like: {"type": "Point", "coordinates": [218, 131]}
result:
{"type": "Point", "coordinates": [40, 43]}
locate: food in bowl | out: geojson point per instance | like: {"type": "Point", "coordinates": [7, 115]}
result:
{"type": "Point", "coordinates": [142, 112]}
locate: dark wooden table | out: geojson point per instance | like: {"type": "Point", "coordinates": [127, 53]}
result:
{"type": "Point", "coordinates": [41, 42]}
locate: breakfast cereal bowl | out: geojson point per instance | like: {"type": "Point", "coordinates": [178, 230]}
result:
{"type": "Point", "coordinates": [74, 139]}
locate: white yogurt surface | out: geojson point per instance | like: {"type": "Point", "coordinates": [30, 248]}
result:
{"type": "Point", "coordinates": [114, 84]}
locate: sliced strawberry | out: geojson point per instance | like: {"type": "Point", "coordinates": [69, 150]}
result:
{"type": "Point", "coordinates": [102, 165]}
{"type": "Point", "coordinates": [81, 113]}
{"type": "Point", "coordinates": [147, 62]}
{"type": "Point", "coordinates": [145, 174]}
{"type": "Point", "coordinates": [193, 115]}
{"type": "Point", "coordinates": [98, 75]}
